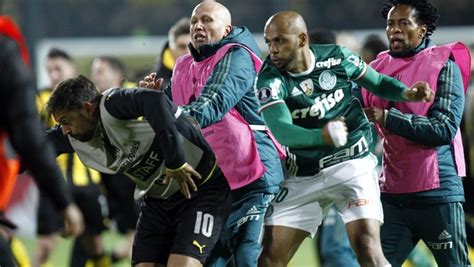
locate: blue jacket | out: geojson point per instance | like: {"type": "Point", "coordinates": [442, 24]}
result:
{"type": "Point", "coordinates": [441, 125]}
{"type": "Point", "coordinates": [231, 85]}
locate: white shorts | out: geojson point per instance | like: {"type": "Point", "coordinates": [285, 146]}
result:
{"type": "Point", "coordinates": [303, 201]}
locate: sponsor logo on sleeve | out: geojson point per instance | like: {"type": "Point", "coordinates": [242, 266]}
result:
{"type": "Point", "coordinates": [356, 61]}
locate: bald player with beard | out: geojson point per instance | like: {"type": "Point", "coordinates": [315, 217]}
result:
{"type": "Point", "coordinates": [305, 96]}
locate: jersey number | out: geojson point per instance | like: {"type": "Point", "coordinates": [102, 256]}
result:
{"type": "Point", "coordinates": [204, 224]}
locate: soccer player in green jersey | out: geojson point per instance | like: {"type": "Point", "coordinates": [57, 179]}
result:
{"type": "Point", "coordinates": [305, 96]}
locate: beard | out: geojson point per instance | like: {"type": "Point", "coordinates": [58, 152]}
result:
{"type": "Point", "coordinates": [85, 136]}
{"type": "Point", "coordinates": [88, 132]}
{"type": "Point", "coordinates": [406, 52]}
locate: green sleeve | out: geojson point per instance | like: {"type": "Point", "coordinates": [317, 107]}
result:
{"type": "Point", "coordinates": [354, 66]}
{"type": "Point", "coordinates": [278, 119]}
{"type": "Point", "coordinates": [271, 88]}
{"type": "Point", "coordinates": [382, 85]}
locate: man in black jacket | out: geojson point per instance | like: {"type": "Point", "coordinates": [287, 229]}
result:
{"type": "Point", "coordinates": [20, 126]}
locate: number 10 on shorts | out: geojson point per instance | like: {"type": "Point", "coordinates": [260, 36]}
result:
{"type": "Point", "coordinates": [204, 224]}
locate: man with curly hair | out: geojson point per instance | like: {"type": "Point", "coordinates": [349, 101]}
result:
{"type": "Point", "coordinates": [423, 158]}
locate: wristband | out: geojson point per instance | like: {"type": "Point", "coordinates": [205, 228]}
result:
{"type": "Point", "coordinates": [178, 169]}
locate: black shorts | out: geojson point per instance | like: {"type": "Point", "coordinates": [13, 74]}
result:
{"type": "Point", "coordinates": [90, 201]}
{"type": "Point", "coordinates": [122, 206]}
{"type": "Point", "coordinates": [189, 227]}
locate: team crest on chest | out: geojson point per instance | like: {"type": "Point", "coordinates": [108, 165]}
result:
{"type": "Point", "coordinates": [327, 80]}
{"type": "Point", "coordinates": [307, 86]}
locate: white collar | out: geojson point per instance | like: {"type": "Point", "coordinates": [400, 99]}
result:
{"type": "Point", "coordinates": [312, 63]}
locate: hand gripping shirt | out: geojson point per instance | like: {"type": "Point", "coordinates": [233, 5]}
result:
{"type": "Point", "coordinates": [316, 96]}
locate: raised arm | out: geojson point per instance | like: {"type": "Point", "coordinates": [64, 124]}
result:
{"type": "Point", "coordinates": [444, 116]}
{"type": "Point", "coordinates": [231, 79]}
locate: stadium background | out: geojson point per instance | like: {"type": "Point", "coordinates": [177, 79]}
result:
{"type": "Point", "coordinates": [135, 30]}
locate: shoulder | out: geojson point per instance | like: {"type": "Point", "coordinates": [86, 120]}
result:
{"type": "Point", "coordinates": [327, 50]}
{"type": "Point", "coordinates": [237, 52]}
{"type": "Point", "coordinates": [269, 73]}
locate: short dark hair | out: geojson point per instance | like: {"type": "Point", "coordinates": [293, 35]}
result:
{"type": "Point", "coordinates": [70, 94]}
{"type": "Point", "coordinates": [426, 12]}
{"type": "Point", "coordinates": [322, 36]}
{"type": "Point", "coordinates": [58, 53]}
{"type": "Point", "coordinates": [179, 28]}
{"type": "Point", "coordinates": [114, 63]}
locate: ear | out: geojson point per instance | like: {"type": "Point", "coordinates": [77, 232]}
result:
{"type": "Point", "coordinates": [303, 39]}
{"type": "Point", "coordinates": [228, 29]}
{"type": "Point", "coordinates": [88, 109]}
{"type": "Point", "coordinates": [423, 30]}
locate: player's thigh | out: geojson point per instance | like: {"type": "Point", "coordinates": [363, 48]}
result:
{"type": "Point", "coordinates": [248, 228]}
{"type": "Point", "coordinates": [445, 235]}
{"type": "Point", "coordinates": [280, 244]}
{"type": "Point", "coordinates": [397, 235]}
{"type": "Point", "coordinates": [155, 232]}
{"type": "Point", "coordinates": [201, 220]}
{"type": "Point", "coordinates": [299, 204]}
{"type": "Point", "coordinates": [358, 197]}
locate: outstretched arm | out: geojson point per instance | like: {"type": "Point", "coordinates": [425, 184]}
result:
{"type": "Point", "coordinates": [441, 124]}
{"type": "Point", "coordinates": [230, 80]}
{"type": "Point", "coordinates": [391, 89]}
{"type": "Point", "coordinates": [278, 119]}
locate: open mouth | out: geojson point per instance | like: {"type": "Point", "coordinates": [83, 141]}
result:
{"type": "Point", "coordinates": [277, 62]}
{"type": "Point", "coordinates": [396, 42]}
{"type": "Point", "coordinates": [199, 37]}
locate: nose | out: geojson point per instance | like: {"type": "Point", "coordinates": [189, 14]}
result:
{"type": "Point", "coordinates": [198, 25]}
{"type": "Point", "coordinates": [66, 130]}
{"type": "Point", "coordinates": [394, 28]}
{"type": "Point", "coordinates": [272, 48]}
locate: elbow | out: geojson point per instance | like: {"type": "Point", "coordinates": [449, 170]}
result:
{"type": "Point", "coordinates": [439, 141]}
{"type": "Point", "coordinates": [446, 138]}
{"type": "Point", "coordinates": [284, 139]}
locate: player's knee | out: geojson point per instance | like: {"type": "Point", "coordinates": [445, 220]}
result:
{"type": "Point", "coordinates": [272, 257]}
{"type": "Point", "coordinates": [267, 261]}
{"type": "Point", "coordinates": [367, 248]}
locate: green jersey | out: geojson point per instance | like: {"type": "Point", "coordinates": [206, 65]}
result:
{"type": "Point", "coordinates": [316, 96]}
